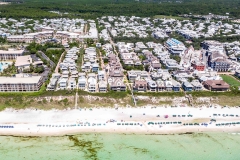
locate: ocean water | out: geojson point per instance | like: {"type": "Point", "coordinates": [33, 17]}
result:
{"type": "Point", "coordinates": [106, 146]}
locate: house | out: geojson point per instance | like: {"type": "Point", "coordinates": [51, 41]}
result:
{"type": "Point", "coordinates": [101, 75]}
{"type": "Point", "coordinates": [53, 82]}
{"type": "Point", "coordinates": [171, 64]}
{"type": "Point", "coordinates": [160, 85]}
{"type": "Point", "coordinates": [115, 73]}
{"type": "Point", "coordinates": [155, 64]}
{"type": "Point", "coordinates": [62, 83]}
{"type": "Point", "coordinates": [117, 85]}
{"type": "Point", "coordinates": [140, 85]}
{"type": "Point", "coordinates": [175, 86]}
{"type": "Point", "coordinates": [216, 85]}
{"type": "Point", "coordinates": [152, 86]}
{"type": "Point", "coordinates": [92, 84]}
{"type": "Point", "coordinates": [102, 86]}
{"type": "Point", "coordinates": [56, 75]}
{"type": "Point", "coordinates": [65, 74]}
{"type": "Point", "coordinates": [156, 75]}
{"type": "Point", "coordinates": [71, 84]}
{"type": "Point", "coordinates": [74, 74]}
{"type": "Point", "coordinates": [86, 67]}
{"type": "Point", "coordinates": [95, 67]}
{"type": "Point", "coordinates": [133, 74]}
{"type": "Point", "coordinates": [52, 85]}
{"type": "Point", "coordinates": [168, 85]}
{"type": "Point", "coordinates": [197, 86]}
{"type": "Point", "coordinates": [237, 73]}
{"type": "Point", "coordinates": [160, 74]}
{"type": "Point", "coordinates": [187, 86]}
{"type": "Point", "coordinates": [128, 62]}
{"type": "Point", "coordinates": [92, 75]}
{"type": "Point", "coordinates": [82, 82]}
{"type": "Point", "coordinates": [182, 75]}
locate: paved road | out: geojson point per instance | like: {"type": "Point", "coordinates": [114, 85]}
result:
{"type": "Point", "coordinates": [52, 64]}
{"type": "Point", "coordinates": [60, 60]}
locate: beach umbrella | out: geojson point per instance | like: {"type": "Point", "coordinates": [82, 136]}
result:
{"type": "Point", "coordinates": [166, 116]}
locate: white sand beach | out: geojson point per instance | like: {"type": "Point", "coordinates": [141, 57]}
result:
{"type": "Point", "coordinates": [148, 120]}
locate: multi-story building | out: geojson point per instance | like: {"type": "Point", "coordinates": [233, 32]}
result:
{"type": "Point", "coordinates": [174, 46]}
{"type": "Point", "coordinates": [187, 86]}
{"type": "Point", "coordinates": [82, 83]}
{"type": "Point", "coordinates": [71, 84]}
{"type": "Point", "coordinates": [117, 85]}
{"type": "Point", "coordinates": [140, 86]}
{"type": "Point", "coordinates": [20, 83]}
{"type": "Point", "coordinates": [102, 86]}
{"type": "Point", "coordinates": [200, 66]}
{"type": "Point", "coordinates": [10, 54]}
{"type": "Point", "coordinates": [62, 83]}
{"type": "Point", "coordinates": [197, 86]}
{"type": "Point", "coordinates": [52, 85]}
{"type": "Point", "coordinates": [92, 84]}
{"type": "Point", "coordinates": [133, 74]}
{"type": "Point", "coordinates": [212, 45]}
{"type": "Point", "coordinates": [152, 86]}
{"type": "Point", "coordinates": [218, 61]}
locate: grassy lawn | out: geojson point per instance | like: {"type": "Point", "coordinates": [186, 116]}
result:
{"type": "Point", "coordinates": [230, 80]}
{"type": "Point", "coordinates": [169, 17]}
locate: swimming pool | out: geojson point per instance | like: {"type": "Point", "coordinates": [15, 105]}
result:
{"type": "Point", "coordinates": [4, 65]}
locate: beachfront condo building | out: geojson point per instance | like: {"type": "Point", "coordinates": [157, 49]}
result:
{"type": "Point", "coordinates": [10, 54]}
{"type": "Point", "coordinates": [20, 83]}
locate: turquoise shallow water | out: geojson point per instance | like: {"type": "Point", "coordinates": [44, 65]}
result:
{"type": "Point", "coordinates": [206, 146]}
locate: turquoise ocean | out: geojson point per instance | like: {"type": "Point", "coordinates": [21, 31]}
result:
{"type": "Point", "coordinates": [110, 146]}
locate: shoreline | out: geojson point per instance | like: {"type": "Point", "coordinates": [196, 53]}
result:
{"type": "Point", "coordinates": [146, 120]}
{"type": "Point", "coordinates": [77, 131]}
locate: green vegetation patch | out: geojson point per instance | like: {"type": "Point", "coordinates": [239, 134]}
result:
{"type": "Point", "coordinates": [169, 17]}
{"type": "Point", "coordinates": [110, 94]}
{"type": "Point", "coordinates": [157, 94]}
{"type": "Point", "coordinates": [95, 8]}
{"type": "Point", "coordinates": [230, 80]}
{"type": "Point", "coordinates": [89, 148]}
